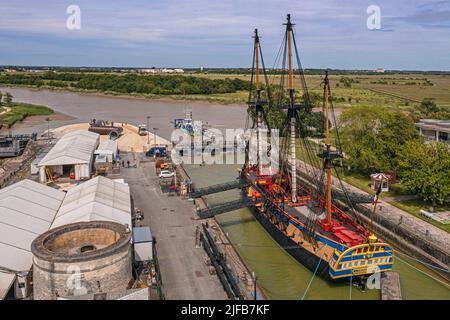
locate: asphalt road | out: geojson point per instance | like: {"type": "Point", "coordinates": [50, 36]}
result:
{"type": "Point", "coordinates": [184, 273]}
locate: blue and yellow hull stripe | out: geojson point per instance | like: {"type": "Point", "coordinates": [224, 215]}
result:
{"type": "Point", "coordinates": [347, 261]}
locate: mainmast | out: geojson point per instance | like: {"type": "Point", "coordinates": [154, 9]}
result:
{"type": "Point", "coordinates": [291, 112]}
{"type": "Point", "coordinates": [258, 103]}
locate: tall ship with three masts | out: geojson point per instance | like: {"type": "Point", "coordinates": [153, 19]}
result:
{"type": "Point", "coordinates": [303, 215]}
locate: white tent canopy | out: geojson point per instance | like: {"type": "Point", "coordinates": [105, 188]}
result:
{"type": "Point", "coordinates": [76, 147]}
{"type": "Point", "coordinates": [6, 282]}
{"type": "Point", "coordinates": [27, 209]}
{"type": "Point", "coordinates": [108, 149]}
{"type": "Point", "coordinates": [97, 199]}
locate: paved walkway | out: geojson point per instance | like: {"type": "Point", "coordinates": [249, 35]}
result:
{"type": "Point", "coordinates": [184, 273]}
{"type": "Point", "coordinates": [405, 197]}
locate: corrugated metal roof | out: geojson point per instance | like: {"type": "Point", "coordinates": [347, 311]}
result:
{"type": "Point", "coordinates": [73, 148]}
{"type": "Point", "coordinates": [97, 199]}
{"type": "Point", "coordinates": [27, 209]}
{"type": "Point", "coordinates": [142, 234]}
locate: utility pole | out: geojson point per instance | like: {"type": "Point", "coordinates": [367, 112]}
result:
{"type": "Point", "coordinates": [48, 130]}
{"type": "Point", "coordinates": [154, 134]}
{"type": "Point", "coordinates": [148, 129]}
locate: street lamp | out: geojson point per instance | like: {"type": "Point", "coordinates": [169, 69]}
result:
{"type": "Point", "coordinates": [48, 129]}
{"type": "Point", "coordinates": [154, 134]}
{"type": "Point", "coordinates": [148, 129]}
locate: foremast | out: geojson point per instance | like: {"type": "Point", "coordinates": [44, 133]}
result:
{"type": "Point", "coordinates": [256, 101]}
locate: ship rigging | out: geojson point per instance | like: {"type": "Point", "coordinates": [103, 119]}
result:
{"type": "Point", "coordinates": [301, 213]}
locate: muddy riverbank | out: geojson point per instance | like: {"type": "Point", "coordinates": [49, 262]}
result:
{"type": "Point", "coordinates": [82, 108]}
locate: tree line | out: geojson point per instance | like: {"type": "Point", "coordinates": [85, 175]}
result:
{"type": "Point", "coordinates": [386, 140]}
{"type": "Point", "coordinates": [129, 83]}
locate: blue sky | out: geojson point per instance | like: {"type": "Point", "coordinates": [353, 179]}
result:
{"type": "Point", "coordinates": [414, 35]}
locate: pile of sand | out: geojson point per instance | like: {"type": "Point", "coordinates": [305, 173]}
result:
{"type": "Point", "coordinates": [130, 140]}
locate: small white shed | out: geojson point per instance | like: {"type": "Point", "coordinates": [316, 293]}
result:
{"type": "Point", "coordinates": [143, 244]}
{"type": "Point", "coordinates": [74, 152]}
{"type": "Point", "coordinates": [107, 149]}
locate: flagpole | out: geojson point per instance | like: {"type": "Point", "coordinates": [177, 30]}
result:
{"type": "Point", "coordinates": [374, 208]}
{"type": "Point", "coordinates": [372, 215]}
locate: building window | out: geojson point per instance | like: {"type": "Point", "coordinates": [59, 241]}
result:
{"type": "Point", "coordinates": [443, 136]}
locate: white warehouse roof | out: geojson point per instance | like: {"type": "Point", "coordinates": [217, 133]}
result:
{"type": "Point", "coordinates": [97, 199]}
{"type": "Point", "coordinates": [73, 148]}
{"type": "Point", "coordinates": [107, 146]}
{"type": "Point", "coordinates": [27, 209]}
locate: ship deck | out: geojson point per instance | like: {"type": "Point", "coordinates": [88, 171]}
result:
{"type": "Point", "coordinates": [311, 214]}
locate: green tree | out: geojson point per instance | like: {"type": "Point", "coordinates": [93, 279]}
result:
{"type": "Point", "coordinates": [8, 100]}
{"type": "Point", "coordinates": [428, 106]}
{"type": "Point", "coordinates": [372, 137]}
{"type": "Point", "coordinates": [425, 170]}
{"type": "Point", "coordinates": [1, 96]}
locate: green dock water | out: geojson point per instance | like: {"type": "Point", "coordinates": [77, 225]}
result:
{"type": "Point", "coordinates": [280, 275]}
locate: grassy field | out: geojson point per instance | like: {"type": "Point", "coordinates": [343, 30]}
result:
{"type": "Point", "coordinates": [402, 91]}
{"type": "Point", "coordinates": [20, 111]}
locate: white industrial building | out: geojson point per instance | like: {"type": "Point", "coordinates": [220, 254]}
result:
{"type": "Point", "coordinates": [107, 149]}
{"type": "Point", "coordinates": [27, 209]}
{"type": "Point", "coordinates": [97, 199]}
{"type": "Point", "coordinates": [74, 152]}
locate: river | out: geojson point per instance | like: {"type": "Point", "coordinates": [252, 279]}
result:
{"type": "Point", "coordinates": [83, 107]}
{"type": "Point", "coordinates": [279, 274]}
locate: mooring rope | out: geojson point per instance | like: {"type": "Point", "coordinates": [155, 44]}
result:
{"type": "Point", "coordinates": [312, 278]}
{"type": "Point", "coordinates": [417, 269]}
{"type": "Point", "coordinates": [423, 262]}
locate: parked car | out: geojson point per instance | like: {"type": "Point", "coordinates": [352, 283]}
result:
{"type": "Point", "coordinates": [157, 152]}
{"type": "Point", "coordinates": [166, 174]}
{"type": "Point", "coordinates": [142, 130]}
